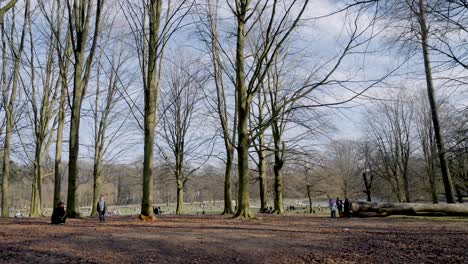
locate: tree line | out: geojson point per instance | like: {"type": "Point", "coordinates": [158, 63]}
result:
{"type": "Point", "coordinates": [255, 85]}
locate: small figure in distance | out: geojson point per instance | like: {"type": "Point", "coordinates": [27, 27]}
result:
{"type": "Point", "coordinates": [332, 205]}
{"type": "Point", "coordinates": [347, 208]}
{"type": "Point", "coordinates": [156, 210]}
{"type": "Point", "coordinates": [59, 216]}
{"type": "Point", "coordinates": [101, 208]}
{"type": "Point", "coordinates": [339, 205]}
{"type": "Point", "coordinates": [271, 210]}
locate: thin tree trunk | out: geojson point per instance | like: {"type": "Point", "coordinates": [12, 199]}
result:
{"type": "Point", "coordinates": [309, 195]}
{"type": "Point", "coordinates": [262, 183]}
{"type": "Point", "coordinates": [97, 182]}
{"type": "Point", "coordinates": [227, 182]}
{"type": "Point", "coordinates": [447, 179]}
{"type": "Point", "coordinates": [277, 168]}
{"type": "Point", "coordinates": [180, 197]}
{"type": "Point", "coordinates": [6, 167]}
{"type": "Point", "coordinates": [36, 209]}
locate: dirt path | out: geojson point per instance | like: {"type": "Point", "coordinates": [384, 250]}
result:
{"type": "Point", "coordinates": [217, 239]}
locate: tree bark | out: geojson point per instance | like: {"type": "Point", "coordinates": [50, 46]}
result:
{"type": "Point", "coordinates": [243, 107]}
{"type": "Point", "coordinates": [151, 97]}
{"type": "Point", "coordinates": [180, 198]}
{"type": "Point", "coordinates": [447, 179]}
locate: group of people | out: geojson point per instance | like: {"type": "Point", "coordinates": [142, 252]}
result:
{"type": "Point", "coordinates": [344, 208]}
{"type": "Point", "coordinates": [59, 216]}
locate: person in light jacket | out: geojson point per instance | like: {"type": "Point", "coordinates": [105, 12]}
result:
{"type": "Point", "coordinates": [332, 205]}
{"type": "Point", "coordinates": [101, 208]}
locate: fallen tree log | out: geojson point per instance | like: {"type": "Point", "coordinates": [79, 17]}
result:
{"type": "Point", "coordinates": [372, 209]}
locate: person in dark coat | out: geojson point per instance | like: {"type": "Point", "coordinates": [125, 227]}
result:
{"type": "Point", "coordinates": [156, 210]}
{"type": "Point", "coordinates": [101, 208]}
{"type": "Point", "coordinates": [339, 205]}
{"type": "Point", "coordinates": [59, 216]}
{"type": "Point", "coordinates": [347, 208]}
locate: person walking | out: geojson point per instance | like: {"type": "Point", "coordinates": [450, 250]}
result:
{"type": "Point", "coordinates": [332, 206]}
{"type": "Point", "coordinates": [347, 208]}
{"type": "Point", "coordinates": [101, 208]}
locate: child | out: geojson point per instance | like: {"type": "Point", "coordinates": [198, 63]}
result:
{"type": "Point", "coordinates": [101, 208]}
{"type": "Point", "coordinates": [332, 205]}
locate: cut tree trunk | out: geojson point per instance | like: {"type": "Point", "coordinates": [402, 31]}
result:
{"type": "Point", "coordinates": [365, 209]}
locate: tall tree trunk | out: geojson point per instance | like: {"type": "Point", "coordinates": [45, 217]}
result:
{"type": "Point", "coordinates": [64, 63]}
{"type": "Point", "coordinates": [74, 143]}
{"type": "Point", "coordinates": [79, 20]}
{"type": "Point", "coordinates": [447, 179]}
{"type": "Point", "coordinates": [261, 154]}
{"type": "Point", "coordinates": [243, 107]}
{"type": "Point", "coordinates": [309, 195]}
{"type": "Point", "coordinates": [58, 145]}
{"type": "Point", "coordinates": [151, 97]}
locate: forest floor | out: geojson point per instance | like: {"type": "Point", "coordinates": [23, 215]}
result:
{"type": "Point", "coordinates": [220, 239]}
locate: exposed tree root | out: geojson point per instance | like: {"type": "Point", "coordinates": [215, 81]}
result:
{"type": "Point", "coordinates": [243, 214]}
{"type": "Point", "coordinates": [147, 218]}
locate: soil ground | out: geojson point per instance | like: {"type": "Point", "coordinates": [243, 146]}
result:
{"type": "Point", "coordinates": [220, 239]}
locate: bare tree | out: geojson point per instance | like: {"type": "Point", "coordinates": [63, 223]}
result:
{"type": "Point", "coordinates": [346, 164]}
{"type": "Point", "coordinates": [411, 19]}
{"type": "Point", "coordinates": [419, 9]}
{"type": "Point", "coordinates": [108, 120]}
{"type": "Point", "coordinates": [63, 50]}
{"type": "Point", "coordinates": [151, 30]}
{"type": "Point", "coordinates": [277, 33]}
{"type": "Point", "coordinates": [425, 131]}
{"type": "Point", "coordinates": [180, 116]}
{"type": "Point", "coordinates": [42, 98]}
{"type": "Point", "coordinates": [79, 18]}
{"type": "Point", "coordinates": [390, 128]}
{"type": "Point", "coordinates": [210, 36]}
{"type": "Point", "coordinates": [9, 94]}
{"type": "Point", "coordinates": [368, 173]}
